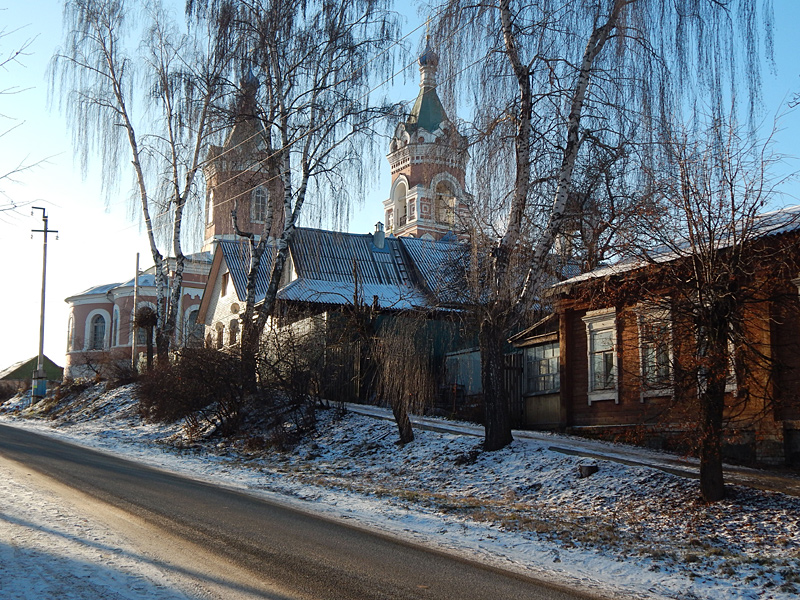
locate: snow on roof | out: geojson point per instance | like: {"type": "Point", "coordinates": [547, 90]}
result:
{"type": "Point", "coordinates": [329, 265]}
{"type": "Point", "coordinates": [784, 220]}
{"type": "Point", "coordinates": [97, 290]}
{"type": "Point", "coordinates": [393, 297]}
{"type": "Point", "coordinates": [441, 265]}
{"type": "Point", "coordinates": [146, 280]}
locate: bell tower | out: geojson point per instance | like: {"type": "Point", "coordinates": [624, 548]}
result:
{"type": "Point", "coordinates": [428, 160]}
{"type": "Point", "coordinates": [237, 172]}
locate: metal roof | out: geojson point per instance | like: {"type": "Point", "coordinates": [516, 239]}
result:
{"type": "Point", "coordinates": [330, 266]}
{"type": "Point", "coordinates": [237, 257]}
{"type": "Point", "coordinates": [784, 220]}
{"type": "Point", "coordinates": [441, 266]}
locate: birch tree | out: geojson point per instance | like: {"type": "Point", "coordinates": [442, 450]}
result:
{"type": "Point", "coordinates": [141, 91]}
{"type": "Point", "coordinates": [315, 61]}
{"type": "Point", "coordinates": [552, 79]}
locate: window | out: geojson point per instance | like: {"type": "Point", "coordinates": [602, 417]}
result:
{"type": "Point", "coordinates": [234, 331]}
{"type": "Point", "coordinates": [601, 333]}
{"type": "Point", "coordinates": [115, 327]}
{"type": "Point", "coordinates": [655, 351]}
{"type": "Point", "coordinates": [445, 204]}
{"type": "Point", "coordinates": [194, 330]}
{"type": "Point", "coordinates": [224, 288]}
{"type": "Point", "coordinates": [210, 211]}
{"type": "Point", "coordinates": [541, 368]}
{"type": "Point", "coordinates": [141, 336]}
{"type": "Point", "coordinates": [98, 333]}
{"type": "Point", "coordinates": [71, 334]}
{"type": "Point", "coordinates": [258, 207]}
{"type": "Point", "coordinates": [400, 204]}
{"type": "Point", "coordinates": [220, 336]}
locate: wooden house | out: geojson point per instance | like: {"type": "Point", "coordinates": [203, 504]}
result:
{"type": "Point", "coordinates": [622, 341]}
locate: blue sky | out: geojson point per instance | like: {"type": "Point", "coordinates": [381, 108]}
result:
{"type": "Point", "coordinates": [98, 242]}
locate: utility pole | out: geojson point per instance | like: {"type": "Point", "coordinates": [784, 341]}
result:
{"type": "Point", "coordinates": [39, 389]}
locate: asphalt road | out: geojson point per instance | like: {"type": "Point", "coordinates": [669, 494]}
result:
{"type": "Point", "coordinates": [259, 549]}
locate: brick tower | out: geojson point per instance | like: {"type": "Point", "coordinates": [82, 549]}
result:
{"type": "Point", "coordinates": [428, 159]}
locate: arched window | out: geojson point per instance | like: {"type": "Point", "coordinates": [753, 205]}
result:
{"type": "Point", "coordinates": [71, 334]}
{"type": "Point", "coordinates": [258, 205]}
{"type": "Point", "coordinates": [445, 204]}
{"type": "Point", "coordinates": [220, 336]}
{"type": "Point", "coordinates": [210, 211]}
{"type": "Point", "coordinates": [98, 332]}
{"type": "Point", "coordinates": [194, 330]}
{"type": "Point", "coordinates": [234, 331]}
{"type": "Point", "coordinates": [400, 204]}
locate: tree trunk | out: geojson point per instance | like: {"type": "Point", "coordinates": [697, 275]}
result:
{"type": "Point", "coordinates": [249, 351]}
{"type": "Point", "coordinates": [497, 426]}
{"type": "Point", "coordinates": [400, 411]}
{"type": "Point", "coordinates": [712, 483]}
{"type": "Point", "coordinates": [715, 366]}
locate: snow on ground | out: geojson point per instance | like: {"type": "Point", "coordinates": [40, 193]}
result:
{"type": "Point", "coordinates": [50, 550]}
{"type": "Point", "coordinates": [627, 531]}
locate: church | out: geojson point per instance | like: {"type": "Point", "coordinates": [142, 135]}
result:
{"type": "Point", "coordinates": [398, 264]}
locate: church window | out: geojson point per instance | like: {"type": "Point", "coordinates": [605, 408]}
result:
{"type": "Point", "coordinates": [445, 204]}
{"type": "Point", "coordinates": [114, 326]}
{"type": "Point", "coordinates": [234, 331]}
{"type": "Point", "coordinates": [210, 211]}
{"type": "Point", "coordinates": [194, 330]}
{"type": "Point", "coordinates": [401, 204]}
{"type": "Point", "coordinates": [259, 205]}
{"type": "Point", "coordinates": [71, 334]}
{"type": "Point", "coordinates": [98, 332]}
{"type": "Point", "coordinates": [141, 336]}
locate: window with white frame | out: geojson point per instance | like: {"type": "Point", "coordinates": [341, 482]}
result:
{"type": "Point", "coordinates": [259, 205]}
{"type": "Point", "coordinates": [730, 378]}
{"type": "Point", "coordinates": [655, 350]}
{"type": "Point", "coordinates": [97, 332]}
{"type": "Point", "coordinates": [601, 337]}
{"type": "Point", "coordinates": [541, 368]}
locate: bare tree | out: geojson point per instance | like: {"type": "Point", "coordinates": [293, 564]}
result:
{"type": "Point", "coordinates": [719, 258]}
{"type": "Point", "coordinates": [178, 78]}
{"type": "Point", "coordinates": [316, 60]}
{"type": "Point", "coordinates": [10, 58]}
{"type": "Point", "coordinates": [555, 79]}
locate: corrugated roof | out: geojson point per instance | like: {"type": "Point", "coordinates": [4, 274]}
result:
{"type": "Point", "coordinates": [325, 263]}
{"type": "Point", "coordinates": [237, 257]}
{"type": "Point", "coordinates": [441, 265]}
{"type": "Point", "coordinates": [784, 220]}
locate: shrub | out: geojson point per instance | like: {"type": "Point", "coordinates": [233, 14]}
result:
{"type": "Point", "coordinates": [201, 381]}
